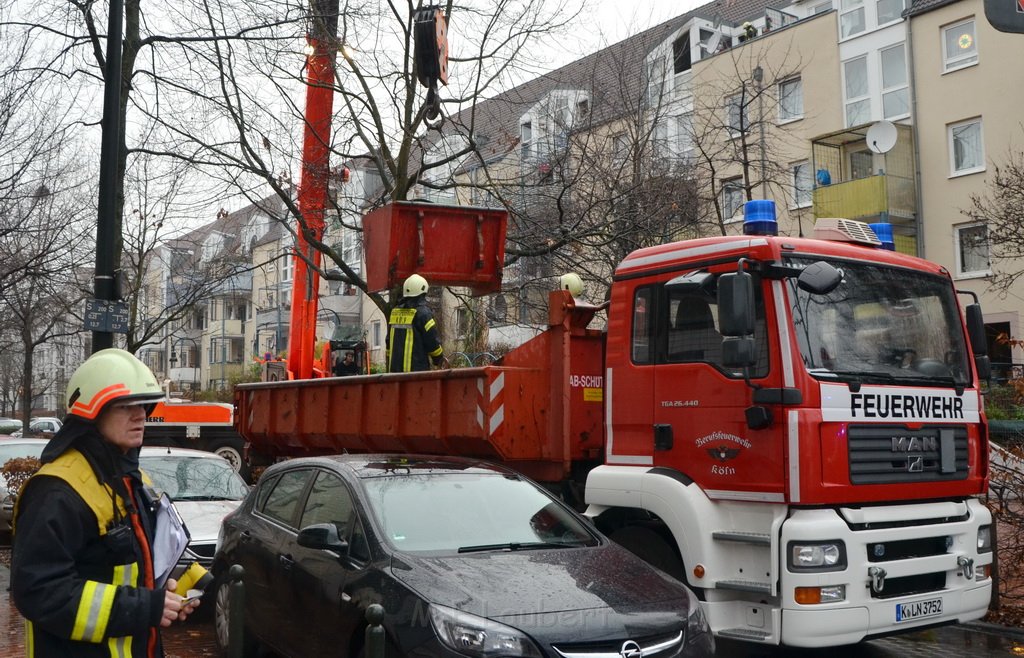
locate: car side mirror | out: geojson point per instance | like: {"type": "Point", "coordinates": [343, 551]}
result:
{"type": "Point", "coordinates": [323, 536]}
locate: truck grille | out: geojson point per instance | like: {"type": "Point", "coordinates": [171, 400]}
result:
{"type": "Point", "coordinates": [886, 454]}
{"type": "Point", "coordinates": [907, 549]}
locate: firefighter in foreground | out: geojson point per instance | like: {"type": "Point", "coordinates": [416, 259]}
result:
{"type": "Point", "coordinates": [82, 566]}
{"type": "Point", "coordinates": [412, 340]}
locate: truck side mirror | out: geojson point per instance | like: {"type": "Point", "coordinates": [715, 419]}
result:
{"type": "Point", "coordinates": [736, 304]}
{"type": "Point", "coordinates": [820, 278]}
{"type": "Point", "coordinates": [976, 329]}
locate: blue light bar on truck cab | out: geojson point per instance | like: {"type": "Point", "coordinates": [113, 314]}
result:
{"type": "Point", "coordinates": [759, 218]}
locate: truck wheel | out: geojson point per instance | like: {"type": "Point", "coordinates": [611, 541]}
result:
{"type": "Point", "coordinates": [651, 547]}
{"type": "Point", "coordinates": [230, 451]}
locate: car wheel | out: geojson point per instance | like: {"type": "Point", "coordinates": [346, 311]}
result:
{"type": "Point", "coordinates": [232, 451]}
{"type": "Point", "coordinates": [222, 616]}
{"type": "Point", "coordinates": [650, 546]}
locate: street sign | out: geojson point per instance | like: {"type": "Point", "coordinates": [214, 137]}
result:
{"type": "Point", "coordinates": [1005, 15]}
{"type": "Point", "coordinates": [103, 315]}
{"type": "Point", "coordinates": [118, 318]}
{"type": "Point", "coordinates": [96, 313]}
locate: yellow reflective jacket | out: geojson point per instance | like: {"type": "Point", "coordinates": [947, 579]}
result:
{"type": "Point", "coordinates": [82, 565]}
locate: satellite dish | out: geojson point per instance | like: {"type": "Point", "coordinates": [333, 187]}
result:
{"type": "Point", "coordinates": [881, 137]}
{"type": "Point", "coordinates": [712, 45]}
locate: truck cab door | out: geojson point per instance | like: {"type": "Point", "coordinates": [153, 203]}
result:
{"type": "Point", "coordinates": [700, 427]}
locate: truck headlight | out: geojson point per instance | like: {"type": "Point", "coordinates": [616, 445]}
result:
{"type": "Point", "coordinates": [817, 556]}
{"type": "Point", "coordinates": [985, 539]}
{"type": "Point", "coordinates": [475, 636]}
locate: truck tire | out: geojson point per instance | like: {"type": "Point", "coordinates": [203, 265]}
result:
{"type": "Point", "coordinates": [650, 546]}
{"type": "Point", "coordinates": [231, 450]}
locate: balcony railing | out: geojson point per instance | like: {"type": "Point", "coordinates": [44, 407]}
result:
{"type": "Point", "coordinates": [866, 199]}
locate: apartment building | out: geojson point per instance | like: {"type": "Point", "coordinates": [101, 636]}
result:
{"type": "Point", "coordinates": [866, 109]}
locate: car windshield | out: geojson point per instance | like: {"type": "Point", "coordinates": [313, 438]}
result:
{"type": "Point", "coordinates": [881, 325]}
{"type": "Point", "coordinates": [470, 512]}
{"type": "Point", "coordinates": [194, 478]}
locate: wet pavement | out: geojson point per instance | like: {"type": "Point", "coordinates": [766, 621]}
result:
{"type": "Point", "coordinates": [195, 639]}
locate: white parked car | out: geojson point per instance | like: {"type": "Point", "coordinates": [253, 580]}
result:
{"type": "Point", "coordinates": [42, 426]}
{"type": "Point", "coordinates": [204, 488]}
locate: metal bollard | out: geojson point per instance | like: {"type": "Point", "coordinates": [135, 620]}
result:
{"type": "Point", "coordinates": [236, 612]}
{"type": "Point", "coordinates": [375, 631]}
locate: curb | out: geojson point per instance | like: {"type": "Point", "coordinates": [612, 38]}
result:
{"type": "Point", "coordinates": [995, 629]}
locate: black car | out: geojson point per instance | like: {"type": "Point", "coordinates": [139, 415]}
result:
{"type": "Point", "coordinates": [467, 558]}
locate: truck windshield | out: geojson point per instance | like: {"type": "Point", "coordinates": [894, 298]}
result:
{"type": "Point", "coordinates": [881, 325]}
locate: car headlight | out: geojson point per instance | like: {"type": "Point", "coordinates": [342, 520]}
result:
{"type": "Point", "coordinates": [817, 556]}
{"type": "Point", "coordinates": [476, 636]}
{"type": "Point", "coordinates": [985, 539]}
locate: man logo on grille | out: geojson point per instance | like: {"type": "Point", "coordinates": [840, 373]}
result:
{"type": "Point", "coordinates": [915, 464]}
{"type": "Point", "coordinates": [631, 649]}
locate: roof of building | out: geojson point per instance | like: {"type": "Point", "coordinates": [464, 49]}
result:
{"type": "Point", "coordinates": [918, 7]}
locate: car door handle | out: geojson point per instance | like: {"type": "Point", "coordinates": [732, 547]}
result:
{"type": "Point", "coordinates": [245, 536]}
{"type": "Point", "coordinates": [345, 597]}
{"type": "Point", "coordinates": [286, 561]}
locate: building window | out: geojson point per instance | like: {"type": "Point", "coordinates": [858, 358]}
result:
{"type": "Point", "coordinates": [821, 8]}
{"type": "Point", "coordinates": [732, 197]}
{"type": "Point", "coordinates": [681, 54]}
{"type": "Point", "coordinates": [855, 81]}
{"type": "Point", "coordinates": [972, 249]}
{"type": "Point", "coordinates": [656, 72]}
{"type": "Point", "coordinates": [736, 111]}
{"type": "Point", "coordinates": [851, 18]}
{"type": "Point", "coordinates": [895, 94]}
{"type": "Point", "coordinates": [375, 326]}
{"type": "Point", "coordinates": [966, 150]}
{"type": "Point", "coordinates": [861, 164]}
{"type": "Point", "coordinates": [684, 139]}
{"type": "Point", "coordinates": [791, 100]}
{"type": "Point", "coordinates": [620, 149]}
{"type": "Point", "coordinates": [525, 139]}
{"type": "Point", "coordinates": [802, 184]}
{"type": "Point", "coordinates": [889, 10]}
{"type": "Point", "coordinates": [959, 45]}
{"type": "Point", "coordinates": [287, 265]}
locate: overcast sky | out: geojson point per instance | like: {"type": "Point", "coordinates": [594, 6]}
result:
{"type": "Point", "coordinates": [609, 21]}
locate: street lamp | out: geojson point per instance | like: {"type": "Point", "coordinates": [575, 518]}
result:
{"type": "Point", "coordinates": [758, 82]}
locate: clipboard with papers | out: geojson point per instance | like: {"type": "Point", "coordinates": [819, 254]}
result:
{"type": "Point", "coordinates": [170, 540]}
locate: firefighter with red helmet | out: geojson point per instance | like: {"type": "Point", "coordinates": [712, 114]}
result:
{"type": "Point", "coordinates": [412, 340]}
{"type": "Point", "coordinates": [82, 566]}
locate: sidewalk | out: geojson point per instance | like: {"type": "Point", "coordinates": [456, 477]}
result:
{"type": "Point", "coordinates": [191, 639]}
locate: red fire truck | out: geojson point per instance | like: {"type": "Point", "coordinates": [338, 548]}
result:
{"type": "Point", "coordinates": [793, 427]}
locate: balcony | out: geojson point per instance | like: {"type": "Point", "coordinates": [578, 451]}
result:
{"type": "Point", "coordinates": [853, 182]}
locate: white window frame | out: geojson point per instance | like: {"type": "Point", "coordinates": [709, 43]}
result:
{"type": "Point", "coordinates": [821, 8]}
{"type": "Point", "coordinates": [848, 101]}
{"type": "Point", "coordinates": [953, 61]}
{"type": "Point", "coordinates": [732, 185]}
{"type": "Point", "coordinates": [899, 14]}
{"type": "Point", "coordinates": [803, 196]}
{"type": "Point", "coordinates": [375, 334]}
{"type": "Point", "coordinates": [848, 8]}
{"type": "Point", "coordinates": [799, 114]}
{"type": "Point", "coordinates": [741, 114]}
{"type": "Point", "coordinates": [953, 171]}
{"type": "Point", "coordinates": [525, 139]}
{"type": "Point", "coordinates": [905, 86]}
{"type": "Point", "coordinates": [961, 273]}
{"type": "Point", "coordinates": [287, 265]}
